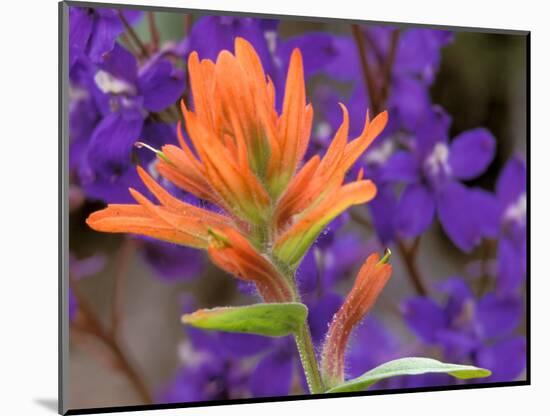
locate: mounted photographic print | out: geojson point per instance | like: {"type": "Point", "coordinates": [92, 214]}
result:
{"type": "Point", "coordinates": [267, 208]}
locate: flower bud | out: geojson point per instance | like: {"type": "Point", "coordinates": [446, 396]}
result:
{"type": "Point", "coordinates": [370, 281]}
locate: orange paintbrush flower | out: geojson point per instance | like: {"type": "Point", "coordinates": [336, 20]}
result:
{"type": "Point", "coordinates": [238, 153]}
{"type": "Point", "coordinates": [370, 281]}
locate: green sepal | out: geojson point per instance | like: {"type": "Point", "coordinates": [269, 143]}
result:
{"type": "Point", "coordinates": [268, 319]}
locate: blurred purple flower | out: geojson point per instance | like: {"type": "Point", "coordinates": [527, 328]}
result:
{"type": "Point", "coordinates": [73, 305]}
{"type": "Point", "coordinates": [512, 247]}
{"type": "Point", "coordinates": [172, 262]}
{"type": "Point", "coordinates": [214, 365]}
{"type": "Point", "coordinates": [503, 216]}
{"type": "Point", "coordinates": [335, 256]}
{"type": "Point", "coordinates": [466, 328]}
{"type": "Point", "coordinates": [431, 171]}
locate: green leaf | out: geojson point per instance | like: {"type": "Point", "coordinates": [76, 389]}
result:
{"type": "Point", "coordinates": [409, 366]}
{"type": "Point", "coordinates": [269, 319]}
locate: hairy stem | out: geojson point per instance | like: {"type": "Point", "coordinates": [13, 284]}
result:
{"type": "Point", "coordinates": [309, 360]}
{"type": "Point", "coordinates": [304, 343]}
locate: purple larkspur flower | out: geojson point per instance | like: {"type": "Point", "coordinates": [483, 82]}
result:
{"type": "Point", "coordinates": [93, 31]}
{"type": "Point", "coordinates": [512, 247]}
{"type": "Point", "coordinates": [503, 216]}
{"type": "Point", "coordinates": [117, 97]}
{"type": "Point", "coordinates": [408, 101]}
{"type": "Point", "coordinates": [469, 329]}
{"type": "Point", "coordinates": [431, 171]}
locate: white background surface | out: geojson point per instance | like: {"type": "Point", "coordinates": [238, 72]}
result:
{"type": "Point", "coordinates": [28, 213]}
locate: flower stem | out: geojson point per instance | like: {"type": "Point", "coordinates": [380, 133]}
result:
{"type": "Point", "coordinates": [305, 347]}
{"type": "Point", "coordinates": [309, 360]}
{"type": "Point", "coordinates": [409, 257]}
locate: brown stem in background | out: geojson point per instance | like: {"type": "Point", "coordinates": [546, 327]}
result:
{"type": "Point", "coordinates": [128, 44]}
{"type": "Point", "coordinates": [153, 31]}
{"type": "Point", "coordinates": [88, 322]}
{"type": "Point", "coordinates": [378, 97]}
{"type": "Point", "coordinates": [388, 66]}
{"type": "Point", "coordinates": [133, 35]}
{"type": "Point", "coordinates": [485, 278]}
{"type": "Point", "coordinates": [188, 22]}
{"type": "Point", "coordinates": [370, 82]}
{"type": "Point", "coordinates": [408, 254]}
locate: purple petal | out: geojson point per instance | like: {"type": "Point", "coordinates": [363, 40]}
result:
{"type": "Point", "coordinates": [83, 118]}
{"type": "Point", "coordinates": [110, 189]}
{"type": "Point", "coordinates": [73, 305]}
{"type": "Point", "coordinates": [409, 101]}
{"type": "Point", "coordinates": [415, 211]}
{"type": "Point", "coordinates": [318, 50]}
{"type": "Point", "coordinates": [343, 256]}
{"type": "Point", "coordinates": [120, 63]}
{"type": "Point", "coordinates": [320, 315]}
{"type": "Point", "coordinates": [506, 359]}
{"type": "Point", "coordinates": [433, 128]}
{"type": "Point", "coordinates": [499, 315]}
{"type": "Point", "coordinates": [307, 274]}
{"type": "Point", "coordinates": [383, 209]}
{"type": "Point", "coordinates": [211, 34]}
{"type": "Point", "coordinates": [510, 266]}
{"type": "Point", "coordinates": [273, 375]}
{"type": "Point", "coordinates": [244, 345]}
{"type": "Point", "coordinates": [346, 66]}
{"type": "Point", "coordinates": [459, 294]}
{"type": "Point", "coordinates": [187, 386]}
{"type": "Point", "coordinates": [471, 153]}
{"type": "Point", "coordinates": [107, 28]}
{"type": "Point", "coordinates": [419, 52]}
{"type": "Point", "coordinates": [488, 212]}
{"type": "Point", "coordinates": [371, 345]}
{"type": "Point", "coordinates": [112, 142]}
{"type": "Point", "coordinates": [424, 317]}
{"type": "Point", "coordinates": [457, 344]}
{"type": "Point", "coordinates": [457, 214]}
{"type": "Point", "coordinates": [512, 182]}
{"type": "Point", "coordinates": [358, 105]}
{"type": "Point", "coordinates": [161, 85]}
{"type": "Point", "coordinates": [202, 340]}
{"type": "Point", "coordinates": [402, 166]}
{"type": "Point", "coordinates": [80, 28]}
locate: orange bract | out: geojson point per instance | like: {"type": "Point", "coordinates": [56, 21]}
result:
{"type": "Point", "coordinates": [244, 157]}
{"type": "Point", "coordinates": [370, 281]}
